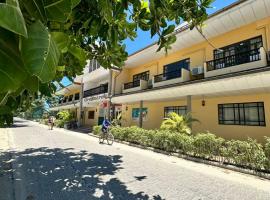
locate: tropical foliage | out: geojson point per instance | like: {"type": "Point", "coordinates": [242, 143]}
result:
{"type": "Point", "coordinates": [43, 40]}
{"type": "Point", "coordinates": [63, 117]}
{"type": "Point", "coordinates": [178, 123]}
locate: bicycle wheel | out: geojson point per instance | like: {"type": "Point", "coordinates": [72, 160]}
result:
{"type": "Point", "coordinates": [101, 137]}
{"type": "Point", "coordinates": [110, 138]}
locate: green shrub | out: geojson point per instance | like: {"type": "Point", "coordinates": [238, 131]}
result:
{"type": "Point", "coordinates": [207, 145]}
{"type": "Point", "coordinates": [119, 133]}
{"type": "Point", "coordinates": [267, 152]}
{"type": "Point", "coordinates": [184, 143]}
{"type": "Point", "coordinates": [164, 140]}
{"type": "Point", "coordinates": [6, 119]}
{"type": "Point", "coordinates": [246, 153]}
{"type": "Point", "coordinates": [96, 129]}
{"type": "Point", "coordinates": [59, 123]}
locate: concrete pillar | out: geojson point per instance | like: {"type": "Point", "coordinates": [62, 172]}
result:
{"type": "Point", "coordinates": [110, 94]}
{"type": "Point", "coordinates": [189, 107]}
{"type": "Point", "coordinates": [141, 116]}
{"type": "Point", "coordinates": [81, 105]}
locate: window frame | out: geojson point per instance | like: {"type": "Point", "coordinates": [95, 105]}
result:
{"type": "Point", "coordinates": [240, 119]}
{"type": "Point", "coordinates": [167, 66]}
{"type": "Point", "coordinates": [91, 116]}
{"type": "Point", "coordinates": [77, 96]}
{"type": "Point", "coordinates": [174, 108]}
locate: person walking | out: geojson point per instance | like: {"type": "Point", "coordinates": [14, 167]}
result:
{"type": "Point", "coordinates": [51, 122]}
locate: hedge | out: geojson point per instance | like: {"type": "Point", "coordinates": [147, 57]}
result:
{"type": "Point", "coordinates": [248, 154]}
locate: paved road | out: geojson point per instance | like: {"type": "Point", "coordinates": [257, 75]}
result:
{"type": "Point", "coordinates": [62, 165]}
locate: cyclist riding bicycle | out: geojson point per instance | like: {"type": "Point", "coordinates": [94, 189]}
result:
{"type": "Point", "coordinates": [105, 133]}
{"type": "Point", "coordinates": [105, 125]}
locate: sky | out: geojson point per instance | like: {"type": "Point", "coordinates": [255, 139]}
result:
{"type": "Point", "coordinates": [143, 38]}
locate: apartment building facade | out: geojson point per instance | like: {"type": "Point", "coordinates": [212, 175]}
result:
{"type": "Point", "coordinates": [87, 97]}
{"type": "Point", "coordinates": [221, 76]}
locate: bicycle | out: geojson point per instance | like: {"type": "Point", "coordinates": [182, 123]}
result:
{"type": "Point", "coordinates": [108, 136]}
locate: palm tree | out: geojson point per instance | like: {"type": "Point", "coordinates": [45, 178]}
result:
{"type": "Point", "coordinates": [178, 123]}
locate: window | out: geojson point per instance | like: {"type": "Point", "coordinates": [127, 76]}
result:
{"type": "Point", "coordinates": [91, 114]}
{"type": "Point", "coordinates": [70, 97]}
{"type": "Point", "coordinates": [180, 110]}
{"type": "Point", "coordinates": [77, 96]}
{"type": "Point", "coordinates": [93, 65]}
{"type": "Point", "coordinates": [65, 99]}
{"type": "Point", "coordinates": [251, 114]}
{"type": "Point", "coordinates": [173, 70]}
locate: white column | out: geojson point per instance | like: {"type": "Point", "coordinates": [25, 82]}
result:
{"type": "Point", "coordinates": [141, 115]}
{"type": "Point", "coordinates": [109, 94]}
{"type": "Point", "coordinates": [81, 105]}
{"type": "Point", "coordinates": [189, 107]}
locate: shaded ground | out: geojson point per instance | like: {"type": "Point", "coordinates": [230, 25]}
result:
{"type": "Point", "coordinates": [57, 164]}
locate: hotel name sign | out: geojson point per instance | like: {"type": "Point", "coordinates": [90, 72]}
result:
{"type": "Point", "coordinates": [96, 97]}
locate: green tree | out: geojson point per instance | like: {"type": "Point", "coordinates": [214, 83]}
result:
{"type": "Point", "coordinates": [43, 40]}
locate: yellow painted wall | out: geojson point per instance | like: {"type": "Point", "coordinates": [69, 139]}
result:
{"type": "Point", "coordinates": [90, 122]}
{"type": "Point", "coordinates": [207, 115]}
{"type": "Point", "coordinates": [155, 113]}
{"type": "Point", "coordinates": [119, 78]}
{"type": "Point", "coordinates": [203, 52]}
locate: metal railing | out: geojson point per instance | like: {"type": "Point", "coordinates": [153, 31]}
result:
{"type": "Point", "coordinates": [233, 60]}
{"type": "Point", "coordinates": [132, 84]}
{"type": "Point", "coordinates": [96, 91]}
{"type": "Point", "coordinates": [167, 76]}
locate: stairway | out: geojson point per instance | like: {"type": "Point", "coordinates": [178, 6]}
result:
{"type": "Point", "coordinates": [83, 129]}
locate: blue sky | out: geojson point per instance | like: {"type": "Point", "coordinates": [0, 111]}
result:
{"type": "Point", "coordinates": [143, 38]}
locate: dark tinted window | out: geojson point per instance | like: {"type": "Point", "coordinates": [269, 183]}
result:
{"type": "Point", "coordinates": [251, 114]}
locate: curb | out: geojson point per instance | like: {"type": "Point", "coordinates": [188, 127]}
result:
{"type": "Point", "coordinates": [194, 159]}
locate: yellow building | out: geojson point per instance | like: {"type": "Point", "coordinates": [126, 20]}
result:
{"type": "Point", "coordinates": [221, 76]}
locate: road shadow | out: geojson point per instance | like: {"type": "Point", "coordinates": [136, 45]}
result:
{"type": "Point", "coordinates": [54, 174]}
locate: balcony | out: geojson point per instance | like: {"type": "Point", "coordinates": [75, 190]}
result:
{"type": "Point", "coordinates": [67, 102]}
{"type": "Point", "coordinates": [96, 91]}
{"type": "Point", "coordinates": [172, 77]}
{"type": "Point", "coordinates": [251, 59]}
{"type": "Point", "coordinates": [135, 86]}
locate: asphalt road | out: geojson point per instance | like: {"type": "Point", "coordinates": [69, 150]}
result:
{"type": "Point", "coordinates": [63, 165]}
